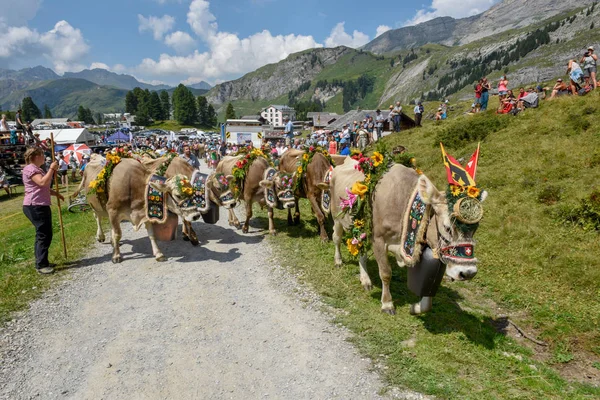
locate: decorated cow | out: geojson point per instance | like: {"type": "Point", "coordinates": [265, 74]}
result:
{"type": "Point", "coordinates": [395, 209]}
{"type": "Point", "coordinates": [254, 179]}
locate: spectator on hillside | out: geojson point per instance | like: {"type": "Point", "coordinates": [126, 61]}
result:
{"type": "Point", "coordinates": [419, 109]}
{"type": "Point", "coordinates": [18, 120]}
{"type": "Point", "coordinates": [289, 131]}
{"type": "Point", "coordinates": [363, 138]}
{"type": "Point", "coordinates": [438, 114]}
{"type": "Point", "coordinates": [522, 93]}
{"type": "Point", "coordinates": [345, 150]}
{"type": "Point", "coordinates": [485, 93]}
{"type": "Point", "coordinates": [4, 124]}
{"type": "Point", "coordinates": [559, 89]}
{"type": "Point", "coordinates": [397, 116]}
{"type": "Point", "coordinates": [379, 120]}
{"type": "Point", "coordinates": [444, 107]}
{"type": "Point", "coordinates": [332, 145]}
{"type": "Point", "coordinates": [576, 75]}
{"type": "Point", "coordinates": [589, 61]}
{"type": "Point", "coordinates": [502, 87]}
{"type": "Point", "coordinates": [478, 89]}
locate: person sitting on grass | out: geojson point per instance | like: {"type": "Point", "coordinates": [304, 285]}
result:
{"type": "Point", "coordinates": [576, 74]}
{"type": "Point", "coordinates": [560, 89]}
{"type": "Point", "coordinates": [438, 114]}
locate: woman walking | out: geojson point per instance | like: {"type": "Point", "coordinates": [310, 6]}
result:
{"type": "Point", "coordinates": [36, 205]}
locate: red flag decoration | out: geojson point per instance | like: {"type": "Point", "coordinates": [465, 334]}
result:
{"type": "Point", "coordinates": [457, 175]}
{"type": "Point", "coordinates": [472, 164]}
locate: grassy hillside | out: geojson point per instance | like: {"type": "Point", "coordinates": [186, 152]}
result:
{"type": "Point", "coordinates": [538, 268]}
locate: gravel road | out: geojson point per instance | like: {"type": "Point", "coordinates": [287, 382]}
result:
{"type": "Point", "coordinates": [219, 321]}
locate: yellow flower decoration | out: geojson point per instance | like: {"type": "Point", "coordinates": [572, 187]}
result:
{"type": "Point", "coordinates": [368, 179]}
{"type": "Point", "coordinates": [353, 249]}
{"type": "Point", "coordinates": [100, 189]}
{"type": "Point", "coordinates": [325, 153]}
{"type": "Point", "coordinates": [456, 190]}
{"type": "Point", "coordinates": [359, 189]}
{"type": "Point", "coordinates": [472, 191]}
{"type": "Point", "coordinates": [305, 157]}
{"type": "Point", "coordinates": [93, 184]}
{"type": "Point", "coordinates": [116, 160]}
{"type": "Point", "coordinates": [299, 170]}
{"type": "Point", "coordinates": [377, 158]}
{"type": "Point", "coordinates": [359, 223]}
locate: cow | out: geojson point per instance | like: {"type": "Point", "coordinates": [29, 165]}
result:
{"type": "Point", "coordinates": [220, 195]}
{"type": "Point", "coordinates": [390, 202]}
{"type": "Point", "coordinates": [308, 189]}
{"type": "Point", "coordinates": [127, 200]}
{"type": "Point", "coordinates": [254, 188]}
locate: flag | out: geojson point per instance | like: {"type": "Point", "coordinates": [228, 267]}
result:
{"type": "Point", "coordinates": [472, 164]}
{"type": "Point", "coordinates": [455, 172]}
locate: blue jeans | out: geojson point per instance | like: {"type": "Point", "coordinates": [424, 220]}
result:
{"type": "Point", "coordinates": [396, 123]}
{"type": "Point", "coordinates": [484, 100]}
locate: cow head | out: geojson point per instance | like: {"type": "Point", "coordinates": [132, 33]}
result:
{"type": "Point", "coordinates": [180, 191]}
{"type": "Point", "coordinates": [283, 185]}
{"type": "Point", "coordinates": [451, 228]}
{"type": "Point", "coordinates": [221, 192]}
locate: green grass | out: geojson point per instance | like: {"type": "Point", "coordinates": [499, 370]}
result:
{"type": "Point", "coordinates": [538, 269]}
{"type": "Point", "coordinates": [19, 281]}
{"type": "Point", "coordinates": [175, 126]}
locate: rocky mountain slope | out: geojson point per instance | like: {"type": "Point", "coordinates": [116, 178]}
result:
{"type": "Point", "coordinates": [506, 15]}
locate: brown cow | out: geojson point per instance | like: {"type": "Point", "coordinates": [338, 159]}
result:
{"type": "Point", "coordinates": [390, 203]}
{"type": "Point", "coordinates": [253, 189]}
{"type": "Point", "coordinates": [309, 189]}
{"type": "Point", "coordinates": [127, 200]}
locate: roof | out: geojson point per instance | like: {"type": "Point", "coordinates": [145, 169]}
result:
{"type": "Point", "coordinates": [67, 136]}
{"type": "Point", "coordinates": [322, 118]}
{"type": "Point", "coordinates": [359, 115]}
{"type": "Point", "coordinates": [50, 121]}
{"type": "Point", "coordinates": [279, 107]}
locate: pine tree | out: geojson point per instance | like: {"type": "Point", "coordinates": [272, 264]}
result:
{"type": "Point", "coordinates": [184, 105]}
{"type": "Point", "coordinates": [211, 116]}
{"type": "Point", "coordinates": [155, 107]}
{"type": "Point", "coordinates": [47, 113]}
{"type": "Point", "coordinates": [203, 111]}
{"type": "Point", "coordinates": [131, 103]}
{"type": "Point", "coordinates": [230, 112]}
{"type": "Point", "coordinates": [30, 110]}
{"type": "Point", "coordinates": [166, 105]}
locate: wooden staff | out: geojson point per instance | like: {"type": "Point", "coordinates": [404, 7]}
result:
{"type": "Point", "coordinates": [60, 218]}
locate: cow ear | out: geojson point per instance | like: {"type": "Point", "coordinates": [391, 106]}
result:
{"type": "Point", "coordinates": [484, 196]}
{"type": "Point", "coordinates": [266, 184]}
{"type": "Point", "coordinates": [230, 178]}
{"type": "Point", "coordinates": [427, 191]}
{"type": "Point", "coordinates": [161, 187]}
{"type": "Point", "coordinates": [323, 185]}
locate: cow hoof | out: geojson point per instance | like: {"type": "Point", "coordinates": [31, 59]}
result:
{"type": "Point", "coordinates": [290, 222]}
{"type": "Point", "coordinates": [194, 242]}
{"type": "Point", "coordinates": [389, 311]}
{"type": "Point", "coordinates": [367, 286]}
{"type": "Point", "coordinates": [117, 259]}
{"type": "Point", "coordinates": [161, 258]}
{"type": "Point", "coordinates": [245, 229]}
{"type": "Point", "coordinates": [100, 239]}
{"type": "Point", "coordinates": [339, 264]}
{"type": "Point", "coordinates": [297, 221]}
{"type": "Point", "coordinates": [324, 239]}
{"type": "Point", "coordinates": [186, 238]}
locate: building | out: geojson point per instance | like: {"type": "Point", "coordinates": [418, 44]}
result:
{"type": "Point", "coordinates": [244, 131]}
{"type": "Point", "coordinates": [275, 114]}
{"type": "Point", "coordinates": [321, 119]}
{"type": "Point", "coordinates": [359, 116]}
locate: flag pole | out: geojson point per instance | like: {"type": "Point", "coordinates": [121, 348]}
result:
{"type": "Point", "coordinates": [60, 218]}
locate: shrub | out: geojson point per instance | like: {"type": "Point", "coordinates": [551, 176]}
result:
{"type": "Point", "coordinates": [470, 129]}
{"type": "Point", "coordinates": [586, 214]}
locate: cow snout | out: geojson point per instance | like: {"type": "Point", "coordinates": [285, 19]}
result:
{"type": "Point", "coordinates": [467, 274]}
{"type": "Point", "coordinates": [288, 205]}
{"type": "Point", "coordinates": [195, 218]}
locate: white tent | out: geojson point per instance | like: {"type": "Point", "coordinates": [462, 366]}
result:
{"type": "Point", "coordinates": [68, 136]}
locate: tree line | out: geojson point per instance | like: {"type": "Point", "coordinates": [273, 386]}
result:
{"type": "Point", "coordinates": [150, 106]}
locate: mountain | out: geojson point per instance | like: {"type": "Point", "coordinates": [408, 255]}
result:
{"type": "Point", "coordinates": [38, 73]}
{"type": "Point", "coordinates": [506, 15]}
{"type": "Point", "coordinates": [107, 78]}
{"type": "Point", "coordinates": [200, 85]}
{"type": "Point", "coordinates": [64, 96]}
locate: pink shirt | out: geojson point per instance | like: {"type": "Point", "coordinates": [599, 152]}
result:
{"type": "Point", "coordinates": [35, 195]}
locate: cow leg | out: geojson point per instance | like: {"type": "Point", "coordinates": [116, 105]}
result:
{"type": "Point", "coordinates": [320, 218]}
{"type": "Point", "coordinates": [365, 279]}
{"type": "Point", "coordinates": [99, 232]}
{"type": "Point", "coordinates": [189, 232]}
{"type": "Point", "coordinates": [158, 255]}
{"type": "Point", "coordinates": [338, 233]}
{"type": "Point", "coordinates": [272, 230]}
{"type": "Point", "coordinates": [297, 212]}
{"type": "Point", "coordinates": [385, 273]}
{"type": "Point", "coordinates": [115, 224]}
{"type": "Point", "coordinates": [422, 306]}
{"type": "Point", "coordinates": [290, 220]}
{"type": "Point", "coordinates": [248, 215]}
{"type": "Point", "coordinates": [233, 220]}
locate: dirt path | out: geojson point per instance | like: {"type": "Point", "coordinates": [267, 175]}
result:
{"type": "Point", "coordinates": [218, 321]}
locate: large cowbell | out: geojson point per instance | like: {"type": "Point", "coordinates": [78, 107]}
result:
{"type": "Point", "coordinates": [201, 200]}
{"type": "Point", "coordinates": [426, 276]}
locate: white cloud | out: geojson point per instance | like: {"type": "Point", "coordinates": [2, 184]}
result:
{"type": "Point", "coordinates": [451, 8]}
{"type": "Point", "coordinates": [99, 65]}
{"type": "Point", "coordinates": [381, 29]}
{"type": "Point", "coordinates": [157, 25]}
{"type": "Point", "coordinates": [18, 12]}
{"type": "Point", "coordinates": [228, 55]}
{"type": "Point", "coordinates": [182, 42]}
{"type": "Point", "coordinates": [339, 37]}
{"type": "Point", "coordinates": [63, 45]}
{"type": "Point", "coordinates": [202, 21]}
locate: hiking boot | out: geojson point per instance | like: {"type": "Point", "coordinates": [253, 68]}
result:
{"type": "Point", "coordinates": [46, 270]}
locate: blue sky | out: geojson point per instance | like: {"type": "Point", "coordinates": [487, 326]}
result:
{"type": "Point", "coordinates": [192, 40]}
